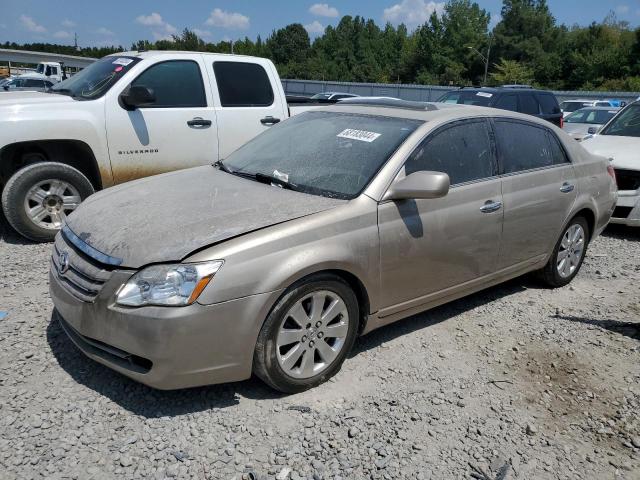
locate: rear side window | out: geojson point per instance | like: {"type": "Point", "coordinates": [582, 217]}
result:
{"type": "Point", "coordinates": [548, 104]}
{"type": "Point", "coordinates": [243, 84]}
{"type": "Point", "coordinates": [508, 102]}
{"type": "Point", "coordinates": [529, 104]}
{"type": "Point", "coordinates": [175, 83]}
{"type": "Point", "coordinates": [557, 152]}
{"type": "Point", "coordinates": [31, 83]}
{"type": "Point", "coordinates": [468, 97]}
{"type": "Point", "coordinates": [462, 151]}
{"type": "Point", "coordinates": [522, 146]}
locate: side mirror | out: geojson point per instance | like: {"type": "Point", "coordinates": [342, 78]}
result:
{"type": "Point", "coordinates": [419, 185]}
{"type": "Point", "coordinates": [592, 130]}
{"type": "Point", "coordinates": [137, 96]}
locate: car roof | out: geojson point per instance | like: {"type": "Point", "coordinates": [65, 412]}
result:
{"type": "Point", "coordinates": [154, 53]}
{"type": "Point", "coordinates": [598, 108]}
{"type": "Point", "coordinates": [508, 88]}
{"type": "Point", "coordinates": [436, 112]}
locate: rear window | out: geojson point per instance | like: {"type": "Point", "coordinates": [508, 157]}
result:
{"type": "Point", "coordinates": [468, 97]}
{"type": "Point", "coordinates": [243, 84]}
{"type": "Point", "coordinates": [529, 104]}
{"type": "Point", "coordinates": [573, 106]}
{"type": "Point", "coordinates": [594, 117]}
{"type": "Point", "coordinates": [548, 104]}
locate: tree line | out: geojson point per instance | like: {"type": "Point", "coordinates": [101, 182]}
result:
{"type": "Point", "coordinates": [526, 46]}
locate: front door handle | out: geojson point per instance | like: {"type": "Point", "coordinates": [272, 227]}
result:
{"type": "Point", "coordinates": [491, 206]}
{"type": "Point", "coordinates": [269, 120]}
{"type": "Point", "coordinates": [199, 122]}
{"type": "Point", "coordinates": [567, 187]}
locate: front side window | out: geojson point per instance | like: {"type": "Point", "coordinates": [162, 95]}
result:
{"type": "Point", "coordinates": [468, 97]}
{"type": "Point", "coordinates": [529, 104]}
{"type": "Point", "coordinates": [243, 84]}
{"type": "Point", "coordinates": [522, 146]}
{"type": "Point", "coordinates": [175, 84]}
{"type": "Point", "coordinates": [462, 151]}
{"type": "Point", "coordinates": [508, 102]}
{"type": "Point", "coordinates": [95, 80]}
{"type": "Point", "coordinates": [625, 124]}
{"type": "Point", "coordinates": [331, 154]}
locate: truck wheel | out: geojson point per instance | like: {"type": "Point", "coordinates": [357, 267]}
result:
{"type": "Point", "coordinates": [37, 199]}
{"type": "Point", "coordinates": [307, 335]}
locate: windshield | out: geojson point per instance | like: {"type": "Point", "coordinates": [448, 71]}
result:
{"type": "Point", "coordinates": [95, 80]}
{"type": "Point", "coordinates": [40, 68]}
{"type": "Point", "coordinates": [467, 98]}
{"type": "Point", "coordinates": [590, 116]}
{"type": "Point", "coordinates": [626, 123]}
{"type": "Point", "coordinates": [331, 154]}
{"type": "Point", "coordinates": [572, 106]}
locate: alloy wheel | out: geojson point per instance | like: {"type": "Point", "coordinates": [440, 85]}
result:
{"type": "Point", "coordinates": [48, 203]}
{"type": "Point", "coordinates": [570, 251]}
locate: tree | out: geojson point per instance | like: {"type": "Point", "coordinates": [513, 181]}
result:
{"type": "Point", "coordinates": [512, 72]}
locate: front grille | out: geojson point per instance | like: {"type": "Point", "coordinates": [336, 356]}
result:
{"type": "Point", "coordinates": [84, 277]}
{"type": "Point", "coordinates": [627, 179]}
{"type": "Point", "coordinates": [621, 212]}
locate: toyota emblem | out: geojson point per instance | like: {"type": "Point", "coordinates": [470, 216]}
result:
{"type": "Point", "coordinates": [63, 263]}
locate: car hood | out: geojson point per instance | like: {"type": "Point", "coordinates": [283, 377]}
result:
{"type": "Point", "coordinates": [623, 150]}
{"type": "Point", "coordinates": [167, 217]}
{"type": "Point", "coordinates": [15, 100]}
{"type": "Point", "coordinates": [578, 127]}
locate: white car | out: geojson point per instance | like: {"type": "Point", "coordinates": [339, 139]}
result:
{"type": "Point", "coordinates": [587, 121]}
{"type": "Point", "coordinates": [619, 140]}
{"type": "Point", "coordinates": [570, 106]}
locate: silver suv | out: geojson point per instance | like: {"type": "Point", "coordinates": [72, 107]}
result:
{"type": "Point", "coordinates": [331, 224]}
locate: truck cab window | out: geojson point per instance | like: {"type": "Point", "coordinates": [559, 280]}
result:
{"type": "Point", "coordinates": [243, 84]}
{"type": "Point", "coordinates": [175, 83]}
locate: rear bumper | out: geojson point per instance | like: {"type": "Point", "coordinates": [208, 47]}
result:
{"type": "Point", "coordinates": [627, 211]}
{"type": "Point", "coordinates": [165, 347]}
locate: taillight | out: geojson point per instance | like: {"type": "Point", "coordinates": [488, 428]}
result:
{"type": "Point", "coordinates": [612, 173]}
{"type": "Point", "coordinates": [562, 122]}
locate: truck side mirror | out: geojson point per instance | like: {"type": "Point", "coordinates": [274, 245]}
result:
{"type": "Point", "coordinates": [137, 96]}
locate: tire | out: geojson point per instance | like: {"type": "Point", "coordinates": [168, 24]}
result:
{"type": "Point", "coordinates": [555, 275]}
{"type": "Point", "coordinates": [57, 183]}
{"type": "Point", "coordinates": [274, 360]}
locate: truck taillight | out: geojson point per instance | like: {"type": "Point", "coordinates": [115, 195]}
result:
{"type": "Point", "coordinates": [561, 122]}
{"type": "Point", "coordinates": [611, 172]}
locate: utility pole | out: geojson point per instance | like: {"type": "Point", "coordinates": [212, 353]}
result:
{"type": "Point", "coordinates": [75, 41]}
{"type": "Point", "coordinates": [484, 58]}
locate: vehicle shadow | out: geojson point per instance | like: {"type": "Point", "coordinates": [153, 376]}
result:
{"type": "Point", "coordinates": [150, 403]}
{"type": "Point", "coordinates": [628, 329]}
{"type": "Point", "coordinates": [9, 235]}
{"type": "Point", "coordinates": [622, 232]}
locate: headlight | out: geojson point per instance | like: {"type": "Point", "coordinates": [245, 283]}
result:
{"type": "Point", "coordinates": [168, 285]}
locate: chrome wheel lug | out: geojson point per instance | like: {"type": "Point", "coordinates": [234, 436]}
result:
{"type": "Point", "coordinates": [311, 343]}
{"type": "Point", "coordinates": [304, 339]}
{"type": "Point", "coordinates": [318, 324]}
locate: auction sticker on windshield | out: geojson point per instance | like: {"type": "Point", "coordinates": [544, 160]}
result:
{"type": "Point", "coordinates": [122, 61]}
{"type": "Point", "coordinates": [361, 135]}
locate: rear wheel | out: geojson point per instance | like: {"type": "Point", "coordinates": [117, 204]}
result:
{"type": "Point", "coordinates": [37, 199]}
{"type": "Point", "coordinates": [307, 335]}
{"type": "Point", "coordinates": [568, 254]}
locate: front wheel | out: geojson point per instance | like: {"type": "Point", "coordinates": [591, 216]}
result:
{"type": "Point", "coordinates": [568, 254]}
{"type": "Point", "coordinates": [307, 335]}
{"type": "Point", "coordinates": [37, 199]}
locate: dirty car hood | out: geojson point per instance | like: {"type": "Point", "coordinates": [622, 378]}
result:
{"type": "Point", "coordinates": [166, 217]}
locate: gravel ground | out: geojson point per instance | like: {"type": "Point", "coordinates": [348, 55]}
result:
{"type": "Point", "coordinates": [513, 382]}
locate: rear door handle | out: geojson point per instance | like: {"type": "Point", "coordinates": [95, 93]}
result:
{"type": "Point", "coordinates": [491, 206]}
{"type": "Point", "coordinates": [269, 120]}
{"type": "Point", "coordinates": [199, 122]}
{"type": "Point", "coordinates": [567, 187]}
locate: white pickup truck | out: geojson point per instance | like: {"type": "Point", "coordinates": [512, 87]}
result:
{"type": "Point", "coordinates": [127, 116]}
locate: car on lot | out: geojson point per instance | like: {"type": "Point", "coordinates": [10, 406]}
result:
{"type": "Point", "coordinates": [329, 225]}
{"type": "Point", "coordinates": [587, 121]}
{"type": "Point", "coordinates": [619, 140]}
{"type": "Point", "coordinates": [570, 106]}
{"type": "Point", "coordinates": [127, 116]}
{"type": "Point", "coordinates": [515, 98]}
{"type": "Point", "coordinates": [26, 83]}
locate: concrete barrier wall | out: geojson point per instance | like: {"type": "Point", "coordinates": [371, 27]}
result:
{"type": "Point", "coordinates": [423, 93]}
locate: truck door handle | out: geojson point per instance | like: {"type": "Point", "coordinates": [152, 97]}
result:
{"type": "Point", "coordinates": [269, 120]}
{"type": "Point", "coordinates": [491, 206]}
{"type": "Point", "coordinates": [199, 122]}
{"type": "Point", "coordinates": [567, 187]}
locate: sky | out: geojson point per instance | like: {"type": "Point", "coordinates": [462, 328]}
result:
{"type": "Point", "coordinates": [120, 22]}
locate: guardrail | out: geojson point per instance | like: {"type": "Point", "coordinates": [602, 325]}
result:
{"type": "Point", "coordinates": [421, 93]}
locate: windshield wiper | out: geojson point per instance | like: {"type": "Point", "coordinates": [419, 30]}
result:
{"type": "Point", "coordinates": [259, 177]}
